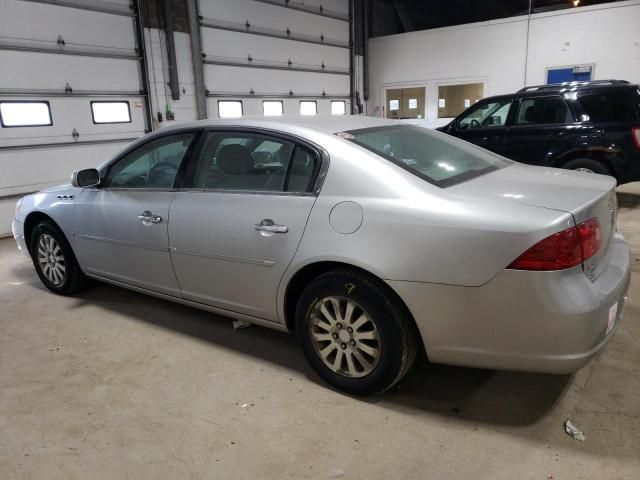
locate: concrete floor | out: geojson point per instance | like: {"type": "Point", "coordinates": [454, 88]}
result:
{"type": "Point", "coordinates": [115, 385]}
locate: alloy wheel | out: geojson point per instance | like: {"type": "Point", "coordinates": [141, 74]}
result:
{"type": "Point", "coordinates": [51, 259]}
{"type": "Point", "coordinates": [344, 336]}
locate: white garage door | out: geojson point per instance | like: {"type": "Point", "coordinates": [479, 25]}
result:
{"type": "Point", "coordinates": [70, 90]}
{"type": "Point", "coordinates": [275, 56]}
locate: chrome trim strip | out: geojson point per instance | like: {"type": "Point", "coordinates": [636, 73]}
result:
{"type": "Point", "coordinates": [307, 9]}
{"type": "Point", "coordinates": [85, 5]}
{"type": "Point", "coordinates": [273, 66]}
{"type": "Point", "coordinates": [280, 96]}
{"type": "Point", "coordinates": [261, 263]}
{"type": "Point", "coordinates": [35, 92]}
{"type": "Point", "coordinates": [270, 32]}
{"type": "Point", "coordinates": [66, 144]}
{"type": "Point", "coordinates": [81, 53]}
{"type": "Point", "coordinates": [122, 243]}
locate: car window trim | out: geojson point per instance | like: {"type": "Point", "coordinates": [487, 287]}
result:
{"type": "Point", "coordinates": [479, 105]}
{"type": "Point", "coordinates": [105, 169]}
{"type": "Point", "coordinates": [319, 173]}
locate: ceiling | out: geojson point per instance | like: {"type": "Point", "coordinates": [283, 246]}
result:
{"type": "Point", "coordinates": [398, 16]}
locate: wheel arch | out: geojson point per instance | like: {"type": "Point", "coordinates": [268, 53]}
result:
{"type": "Point", "coordinates": [305, 274]}
{"type": "Point", "coordinates": [30, 223]}
{"type": "Point", "coordinates": [598, 156]}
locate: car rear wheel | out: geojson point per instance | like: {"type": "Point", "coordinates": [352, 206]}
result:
{"type": "Point", "coordinates": [588, 165]}
{"type": "Point", "coordinates": [54, 261]}
{"type": "Point", "coordinates": [355, 335]}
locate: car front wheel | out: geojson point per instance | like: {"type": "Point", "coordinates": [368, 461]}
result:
{"type": "Point", "coordinates": [354, 333]}
{"type": "Point", "coordinates": [54, 260]}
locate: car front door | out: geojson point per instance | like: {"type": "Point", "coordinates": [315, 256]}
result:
{"type": "Point", "coordinates": [543, 129]}
{"type": "Point", "coordinates": [121, 225]}
{"type": "Point", "coordinates": [235, 231]}
{"type": "Point", "coordinates": [485, 124]}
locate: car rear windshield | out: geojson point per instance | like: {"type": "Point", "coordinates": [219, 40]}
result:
{"type": "Point", "coordinates": [614, 106]}
{"type": "Point", "coordinates": [433, 156]}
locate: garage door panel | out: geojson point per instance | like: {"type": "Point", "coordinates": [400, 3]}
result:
{"type": "Point", "coordinates": [223, 43]}
{"type": "Point", "coordinates": [33, 169]}
{"type": "Point", "coordinates": [270, 16]}
{"type": "Point", "coordinates": [53, 71]}
{"type": "Point", "coordinates": [290, 106]}
{"type": "Point", "coordinates": [78, 28]}
{"type": "Point", "coordinates": [68, 114]}
{"type": "Point", "coordinates": [239, 79]}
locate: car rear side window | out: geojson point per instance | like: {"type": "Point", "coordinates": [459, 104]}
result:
{"type": "Point", "coordinates": [618, 106]}
{"type": "Point", "coordinates": [435, 157]}
{"type": "Point", "coordinates": [543, 110]}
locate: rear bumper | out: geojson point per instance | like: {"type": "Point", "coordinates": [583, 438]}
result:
{"type": "Point", "coordinates": [534, 321]}
{"type": "Point", "coordinates": [17, 228]}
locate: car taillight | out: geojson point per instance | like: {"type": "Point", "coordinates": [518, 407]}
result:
{"type": "Point", "coordinates": [635, 132]}
{"type": "Point", "coordinates": [562, 250]}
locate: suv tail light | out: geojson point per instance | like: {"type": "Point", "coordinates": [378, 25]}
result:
{"type": "Point", "coordinates": [635, 133]}
{"type": "Point", "coordinates": [562, 250]}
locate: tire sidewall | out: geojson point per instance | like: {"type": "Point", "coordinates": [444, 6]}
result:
{"type": "Point", "coordinates": [47, 228]}
{"type": "Point", "coordinates": [381, 313]}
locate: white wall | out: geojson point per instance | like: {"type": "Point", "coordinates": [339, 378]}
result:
{"type": "Point", "coordinates": [606, 36]}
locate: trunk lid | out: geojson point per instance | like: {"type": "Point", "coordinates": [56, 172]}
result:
{"type": "Point", "coordinates": [583, 195]}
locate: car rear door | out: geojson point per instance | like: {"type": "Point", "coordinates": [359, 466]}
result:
{"type": "Point", "coordinates": [543, 129]}
{"type": "Point", "coordinates": [236, 225]}
{"type": "Point", "coordinates": [121, 225]}
{"type": "Point", "coordinates": [485, 124]}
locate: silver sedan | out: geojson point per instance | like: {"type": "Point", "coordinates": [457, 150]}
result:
{"type": "Point", "coordinates": [368, 238]}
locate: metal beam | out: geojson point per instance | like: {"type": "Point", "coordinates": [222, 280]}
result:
{"type": "Point", "coordinates": [196, 57]}
{"type": "Point", "coordinates": [271, 32]}
{"type": "Point", "coordinates": [323, 12]}
{"type": "Point", "coordinates": [174, 84]}
{"type": "Point", "coordinates": [145, 85]}
{"type": "Point", "coordinates": [276, 66]}
{"type": "Point", "coordinates": [94, 6]}
{"type": "Point", "coordinates": [81, 53]}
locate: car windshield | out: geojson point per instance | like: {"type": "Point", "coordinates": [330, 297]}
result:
{"type": "Point", "coordinates": [435, 157]}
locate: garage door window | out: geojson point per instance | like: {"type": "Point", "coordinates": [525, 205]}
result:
{"type": "Point", "coordinates": [272, 108]}
{"type": "Point", "coordinates": [308, 107]}
{"type": "Point", "coordinates": [338, 108]}
{"type": "Point", "coordinates": [25, 114]}
{"type": "Point", "coordinates": [229, 108]}
{"type": "Point", "coordinates": [110, 112]}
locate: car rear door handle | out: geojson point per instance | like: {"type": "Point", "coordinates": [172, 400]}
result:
{"type": "Point", "coordinates": [268, 225]}
{"type": "Point", "coordinates": [147, 216]}
{"type": "Point", "coordinates": [559, 134]}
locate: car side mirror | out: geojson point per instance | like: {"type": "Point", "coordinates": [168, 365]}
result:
{"type": "Point", "coordinates": [89, 177]}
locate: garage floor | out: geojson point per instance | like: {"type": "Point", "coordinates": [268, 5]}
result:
{"type": "Point", "coordinates": [114, 385]}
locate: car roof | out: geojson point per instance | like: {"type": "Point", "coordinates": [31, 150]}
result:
{"type": "Point", "coordinates": [326, 123]}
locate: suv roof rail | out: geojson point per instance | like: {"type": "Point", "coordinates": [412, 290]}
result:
{"type": "Point", "coordinates": [560, 86]}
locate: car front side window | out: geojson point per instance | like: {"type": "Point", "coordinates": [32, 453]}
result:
{"type": "Point", "coordinates": [487, 115]}
{"type": "Point", "coordinates": [153, 165]}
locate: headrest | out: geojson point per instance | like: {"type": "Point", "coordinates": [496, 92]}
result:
{"type": "Point", "coordinates": [234, 160]}
{"type": "Point", "coordinates": [531, 115]}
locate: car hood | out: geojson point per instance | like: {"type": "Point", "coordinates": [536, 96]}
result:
{"type": "Point", "coordinates": [552, 188]}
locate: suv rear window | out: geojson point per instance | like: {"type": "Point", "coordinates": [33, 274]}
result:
{"type": "Point", "coordinates": [618, 106]}
{"type": "Point", "coordinates": [433, 156]}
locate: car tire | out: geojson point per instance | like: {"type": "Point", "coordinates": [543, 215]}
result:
{"type": "Point", "coordinates": [588, 165]}
{"type": "Point", "coordinates": [54, 261]}
{"type": "Point", "coordinates": [372, 333]}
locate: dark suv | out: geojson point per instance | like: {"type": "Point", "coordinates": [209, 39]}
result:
{"type": "Point", "coordinates": [588, 126]}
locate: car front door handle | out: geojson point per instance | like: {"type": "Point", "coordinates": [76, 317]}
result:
{"type": "Point", "coordinates": [268, 225]}
{"type": "Point", "coordinates": [147, 216]}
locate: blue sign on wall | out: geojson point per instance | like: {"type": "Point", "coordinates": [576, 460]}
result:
{"type": "Point", "coordinates": [569, 74]}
